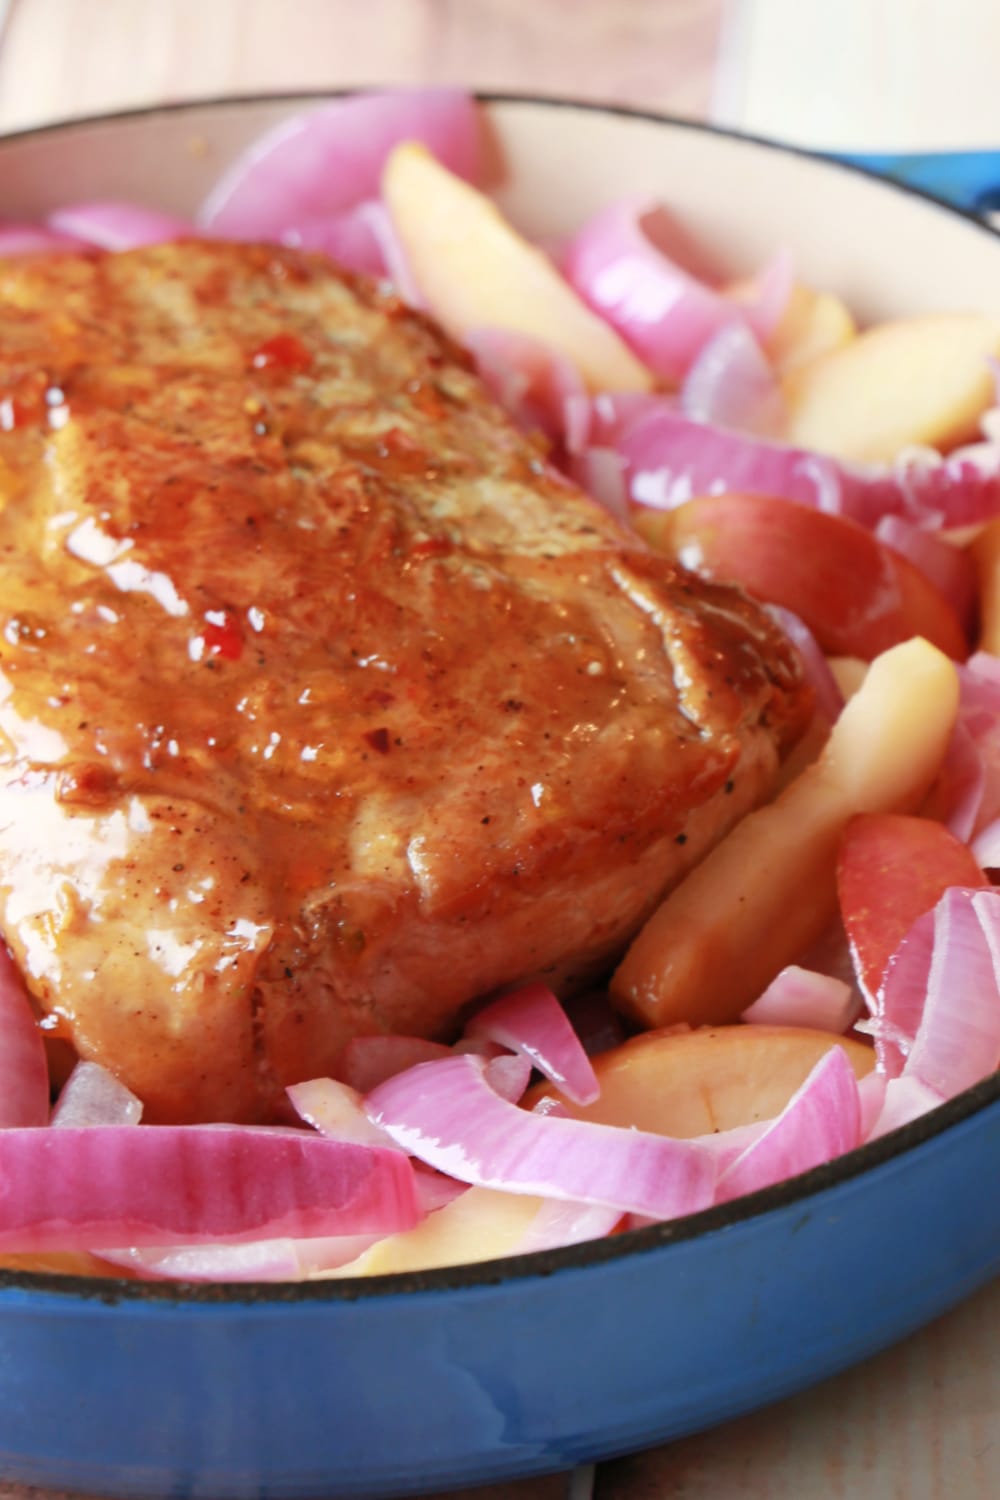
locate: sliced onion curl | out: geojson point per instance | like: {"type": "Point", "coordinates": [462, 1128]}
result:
{"type": "Point", "coordinates": [979, 717]}
{"type": "Point", "coordinates": [821, 1120]}
{"type": "Point", "coordinates": [254, 1260]}
{"type": "Point", "coordinates": [957, 1042]}
{"type": "Point", "coordinates": [34, 239]}
{"type": "Point", "coordinates": [92, 1095]}
{"type": "Point", "coordinates": [667, 314]}
{"type": "Point", "coordinates": [669, 459]}
{"type": "Point", "coordinates": [446, 1114]}
{"type": "Point", "coordinates": [362, 239]}
{"type": "Point", "coordinates": [24, 1074]}
{"type": "Point", "coordinates": [601, 473]}
{"type": "Point", "coordinates": [954, 492]}
{"type": "Point", "coordinates": [898, 1005]}
{"type": "Point", "coordinates": [948, 567]}
{"type": "Point", "coordinates": [118, 226]}
{"type": "Point", "coordinates": [542, 390]}
{"type": "Point", "coordinates": [961, 783]}
{"type": "Point", "coordinates": [108, 1186]}
{"type": "Point", "coordinates": [507, 1075]}
{"type": "Point", "coordinates": [319, 163]}
{"type": "Point", "coordinates": [904, 1099]}
{"type": "Point", "coordinates": [532, 1021]}
{"type": "Point", "coordinates": [872, 1089]}
{"type": "Point", "coordinates": [732, 384]}
{"type": "Point", "coordinates": [800, 997]}
{"type": "Point", "coordinates": [986, 846]}
{"type": "Point", "coordinates": [557, 1224]}
{"type": "Point", "coordinates": [937, 1016]}
{"type": "Point", "coordinates": [829, 698]}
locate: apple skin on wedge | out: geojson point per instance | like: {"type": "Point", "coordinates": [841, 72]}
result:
{"type": "Point", "coordinates": [477, 272]}
{"type": "Point", "coordinates": [858, 596]}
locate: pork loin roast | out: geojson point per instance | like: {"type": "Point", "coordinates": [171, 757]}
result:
{"type": "Point", "coordinates": [326, 705]}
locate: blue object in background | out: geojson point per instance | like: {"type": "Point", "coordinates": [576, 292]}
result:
{"type": "Point", "coordinates": [969, 180]}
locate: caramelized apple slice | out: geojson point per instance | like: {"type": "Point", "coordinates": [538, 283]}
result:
{"type": "Point", "coordinates": [918, 380]}
{"type": "Point", "coordinates": [768, 889]}
{"type": "Point", "coordinates": [477, 272]}
{"type": "Point", "coordinates": [814, 323]}
{"type": "Point", "coordinates": [692, 1083]}
{"type": "Point", "coordinates": [480, 1224]}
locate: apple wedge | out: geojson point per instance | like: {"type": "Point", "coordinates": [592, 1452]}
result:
{"type": "Point", "coordinates": [813, 324]}
{"type": "Point", "coordinates": [692, 1083]}
{"type": "Point", "coordinates": [858, 596]}
{"type": "Point", "coordinates": [917, 380]}
{"type": "Point", "coordinates": [769, 888]}
{"type": "Point", "coordinates": [476, 271]}
{"type": "Point", "coordinates": [480, 1224]}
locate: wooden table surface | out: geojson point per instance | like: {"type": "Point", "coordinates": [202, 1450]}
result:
{"type": "Point", "coordinates": [921, 1422]}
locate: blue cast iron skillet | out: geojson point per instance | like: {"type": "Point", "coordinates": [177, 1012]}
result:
{"type": "Point", "coordinates": [403, 1384]}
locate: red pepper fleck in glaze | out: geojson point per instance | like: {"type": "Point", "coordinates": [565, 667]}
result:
{"type": "Point", "coordinates": [222, 636]}
{"type": "Point", "coordinates": [284, 351]}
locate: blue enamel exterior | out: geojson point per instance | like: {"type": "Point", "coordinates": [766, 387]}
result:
{"type": "Point", "coordinates": [478, 1376]}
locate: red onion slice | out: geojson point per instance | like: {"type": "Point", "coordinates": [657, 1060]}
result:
{"type": "Point", "coordinates": [957, 1042]}
{"type": "Point", "coordinates": [829, 698]}
{"type": "Point", "coordinates": [106, 1186]}
{"type": "Point", "coordinates": [446, 1114]}
{"type": "Point", "coordinates": [563, 1223]}
{"type": "Point", "coordinates": [800, 997]}
{"type": "Point", "coordinates": [254, 1260]}
{"type": "Point", "coordinates": [508, 1075]}
{"type": "Point", "coordinates": [92, 1095]}
{"type": "Point", "coordinates": [601, 473]}
{"type": "Point", "coordinates": [257, 1260]}
{"type": "Point", "coordinates": [821, 1120]}
{"type": "Point", "coordinates": [948, 567]}
{"type": "Point", "coordinates": [872, 1090]}
{"type": "Point", "coordinates": [532, 1021]}
{"type": "Point", "coordinates": [327, 160]}
{"type": "Point", "coordinates": [905, 1099]}
{"type": "Point", "coordinates": [731, 384]}
{"type": "Point", "coordinates": [661, 310]}
{"type": "Point", "coordinates": [899, 1003]}
{"type": "Point", "coordinates": [532, 382]}
{"type": "Point", "coordinates": [670, 459]}
{"type": "Point", "coordinates": [986, 846]}
{"type": "Point", "coordinates": [727, 1146]}
{"type": "Point", "coordinates": [350, 238]}
{"type": "Point", "coordinates": [960, 490]}
{"type": "Point", "coordinates": [118, 226]}
{"type": "Point", "coordinates": [34, 239]}
{"type": "Point", "coordinates": [24, 1074]}
{"type": "Point", "coordinates": [765, 297]}
{"type": "Point", "coordinates": [362, 239]}
{"type": "Point", "coordinates": [963, 779]}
